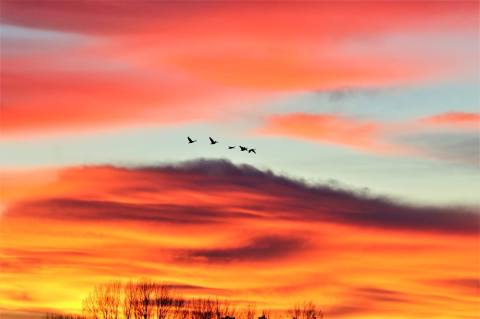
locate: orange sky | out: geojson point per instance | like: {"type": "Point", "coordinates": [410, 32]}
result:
{"type": "Point", "coordinates": [205, 224]}
{"type": "Point", "coordinates": [98, 98]}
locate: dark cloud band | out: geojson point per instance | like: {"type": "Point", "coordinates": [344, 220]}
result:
{"type": "Point", "coordinates": [276, 198]}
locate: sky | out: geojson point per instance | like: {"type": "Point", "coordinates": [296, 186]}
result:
{"type": "Point", "coordinates": [363, 192]}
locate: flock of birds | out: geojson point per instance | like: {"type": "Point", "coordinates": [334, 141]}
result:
{"type": "Point", "coordinates": [213, 142]}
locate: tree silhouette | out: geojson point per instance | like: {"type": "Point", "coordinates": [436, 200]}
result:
{"type": "Point", "coordinates": [103, 302]}
{"type": "Point", "coordinates": [146, 299]}
{"type": "Point", "coordinates": [306, 310]}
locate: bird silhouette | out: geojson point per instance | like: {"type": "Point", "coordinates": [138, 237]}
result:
{"type": "Point", "coordinates": [212, 141]}
{"type": "Point", "coordinates": [252, 150]}
{"type": "Point", "coordinates": [231, 147]}
{"type": "Point", "coordinates": [243, 148]}
{"type": "Point", "coordinates": [190, 141]}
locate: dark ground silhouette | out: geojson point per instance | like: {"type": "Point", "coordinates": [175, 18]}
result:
{"type": "Point", "coordinates": [147, 299]}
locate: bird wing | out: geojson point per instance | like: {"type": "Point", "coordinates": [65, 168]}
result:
{"type": "Point", "coordinates": [211, 139]}
{"type": "Point", "coordinates": [189, 139]}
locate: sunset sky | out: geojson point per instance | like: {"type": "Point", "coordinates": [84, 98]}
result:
{"type": "Point", "coordinates": [363, 194]}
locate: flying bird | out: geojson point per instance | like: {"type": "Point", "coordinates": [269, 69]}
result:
{"type": "Point", "coordinates": [190, 141]}
{"type": "Point", "coordinates": [212, 141]}
{"type": "Point", "coordinates": [243, 148]}
{"type": "Point", "coordinates": [231, 147]}
{"type": "Point", "coordinates": [252, 150]}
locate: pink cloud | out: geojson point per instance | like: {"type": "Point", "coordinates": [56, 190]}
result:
{"type": "Point", "coordinates": [459, 120]}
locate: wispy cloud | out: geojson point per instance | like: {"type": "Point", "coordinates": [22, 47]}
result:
{"type": "Point", "coordinates": [129, 63]}
{"type": "Point", "coordinates": [201, 223]}
{"type": "Point", "coordinates": [258, 249]}
{"type": "Point", "coordinates": [459, 120]}
{"type": "Point", "coordinates": [447, 136]}
{"type": "Point", "coordinates": [331, 129]}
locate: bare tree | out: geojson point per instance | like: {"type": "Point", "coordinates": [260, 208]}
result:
{"type": "Point", "coordinates": [103, 302]}
{"type": "Point", "coordinates": [129, 300]}
{"type": "Point", "coordinates": [202, 308]}
{"type": "Point", "coordinates": [224, 309]}
{"type": "Point", "coordinates": [307, 310]}
{"type": "Point", "coordinates": [179, 308]}
{"type": "Point", "coordinates": [144, 299]}
{"type": "Point", "coordinates": [265, 314]}
{"type": "Point", "coordinates": [90, 308]}
{"type": "Point", "coordinates": [162, 301]}
{"type": "Point", "coordinates": [248, 312]}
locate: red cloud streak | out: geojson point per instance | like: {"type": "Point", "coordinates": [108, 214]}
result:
{"type": "Point", "coordinates": [158, 62]}
{"type": "Point", "coordinates": [334, 129]}
{"type": "Point", "coordinates": [372, 135]}
{"type": "Point", "coordinates": [454, 120]}
{"type": "Point", "coordinates": [210, 227]}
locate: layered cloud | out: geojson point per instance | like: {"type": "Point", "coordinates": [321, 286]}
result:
{"type": "Point", "coordinates": [438, 135]}
{"type": "Point", "coordinates": [201, 223]}
{"type": "Point", "coordinates": [211, 227]}
{"type": "Point", "coordinates": [330, 128]}
{"type": "Point", "coordinates": [93, 65]}
{"type": "Point", "coordinates": [276, 198]}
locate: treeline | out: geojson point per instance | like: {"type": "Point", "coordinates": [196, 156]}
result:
{"type": "Point", "coordinates": [147, 299]}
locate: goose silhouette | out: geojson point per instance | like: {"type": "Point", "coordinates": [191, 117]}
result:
{"type": "Point", "coordinates": [212, 141]}
{"type": "Point", "coordinates": [190, 141]}
{"type": "Point", "coordinates": [243, 148]}
{"type": "Point", "coordinates": [252, 150]}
